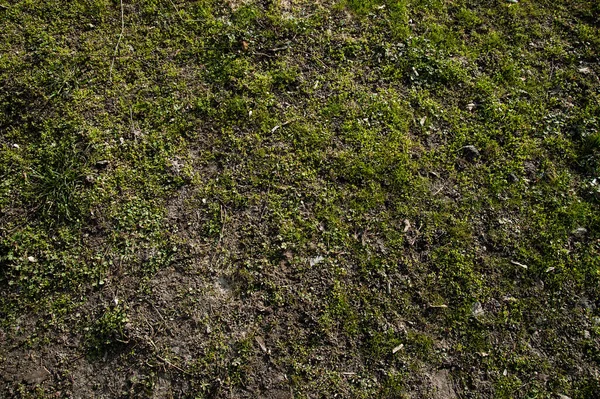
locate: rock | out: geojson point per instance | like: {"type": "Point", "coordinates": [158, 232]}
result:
{"type": "Point", "coordinates": [37, 376]}
{"type": "Point", "coordinates": [579, 232]}
{"type": "Point", "coordinates": [477, 309]}
{"type": "Point", "coordinates": [530, 168]}
{"type": "Point", "coordinates": [443, 385]}
{"type": "Point", "coordinates": [316, 260]}
{"type": "Point", "coordinates": [277, 393]}
{"type": "Point", "coordinates": [470, 152]}
{"type": "Point", "coordinates": [103, 164]}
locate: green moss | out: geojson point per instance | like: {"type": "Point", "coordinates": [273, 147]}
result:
{"type": "Point", "coordinates": [316, 154]}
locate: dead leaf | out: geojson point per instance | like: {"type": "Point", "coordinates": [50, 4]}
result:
{"type": "Point", "coordinates": [261, 344]}
{"type": "Point", "coordinates": [519, 264]}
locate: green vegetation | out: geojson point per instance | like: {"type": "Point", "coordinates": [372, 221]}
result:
{"type": "Point", "coordinates": [393, 198]}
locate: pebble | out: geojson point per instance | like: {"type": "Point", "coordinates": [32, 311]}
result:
{"type": "Point", "coordinates": [316, 260]}
{"type": "Point", "coordinates": [471, 152]}
{"type": "Point", "coordinates": [37, 377]}
{"type": "Point", "coordinates": [579, 232]}
{"type": "Point", "coordinates": [477, 309]}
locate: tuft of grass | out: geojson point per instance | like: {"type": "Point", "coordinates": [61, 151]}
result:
{"type": "Point", "coordinates": [107, 331]}
{"type": "Point", "coordinates": [56, 182]}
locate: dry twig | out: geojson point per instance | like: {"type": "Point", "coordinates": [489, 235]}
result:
{"type": "Point", "coordinates": [112, 64]}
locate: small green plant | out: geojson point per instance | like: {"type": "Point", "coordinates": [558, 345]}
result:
{"type": "Point", "coordinates": [108, 330]}
{"type": "Point", "coordinates": [592, 142]}
{"type": "Point", "coordinates": [56, 180]}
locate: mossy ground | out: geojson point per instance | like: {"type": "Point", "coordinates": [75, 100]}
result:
{"type": "Point", "coordinates": [300, 199]}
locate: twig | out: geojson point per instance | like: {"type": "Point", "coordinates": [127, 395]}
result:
{"type": "Point", "coordinates": [112, 64]}
{"type": "Point", "coordinates": [176, 9]}
{"type": "Point", "coordinates": [172, 365]}
{"type": "Point", "coordinates": [438, 191]}
{"type": "Point", "coordinates": [223, 220]}
{"type": "Point", "coordinates": [156, 310]}
{"type": "Point", "coordinates": [165, 360]}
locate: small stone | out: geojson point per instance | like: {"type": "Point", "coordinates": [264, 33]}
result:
{"type": "Point", "coordinates": [316, 260]}
{"type": "Point", "coordinates": [16, 146]}
{"type": "Point", "coordinates": [579, 232]}
{"type": "Point", "coordinates": [103, 164]}
{"type": "Point", "coordinates": [471, 106]}
{"type": "Point", "coordinates": [261, 344]}
{"type": "Point", "coordinates": [471, 152]}
{"type": "Point", "coordinates": [31, 259]}
{"type": "Point", "coordinates": [512, 1]}
{"type": "Point", "coordinates": [477, 309]}
{"type": "Point", "coordinates": [37, 377]}
{"type": "Point", "coordinates": [530, 168]}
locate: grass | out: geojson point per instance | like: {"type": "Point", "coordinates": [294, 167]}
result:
{"type": "Point", "coordinates": [248, 199]}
